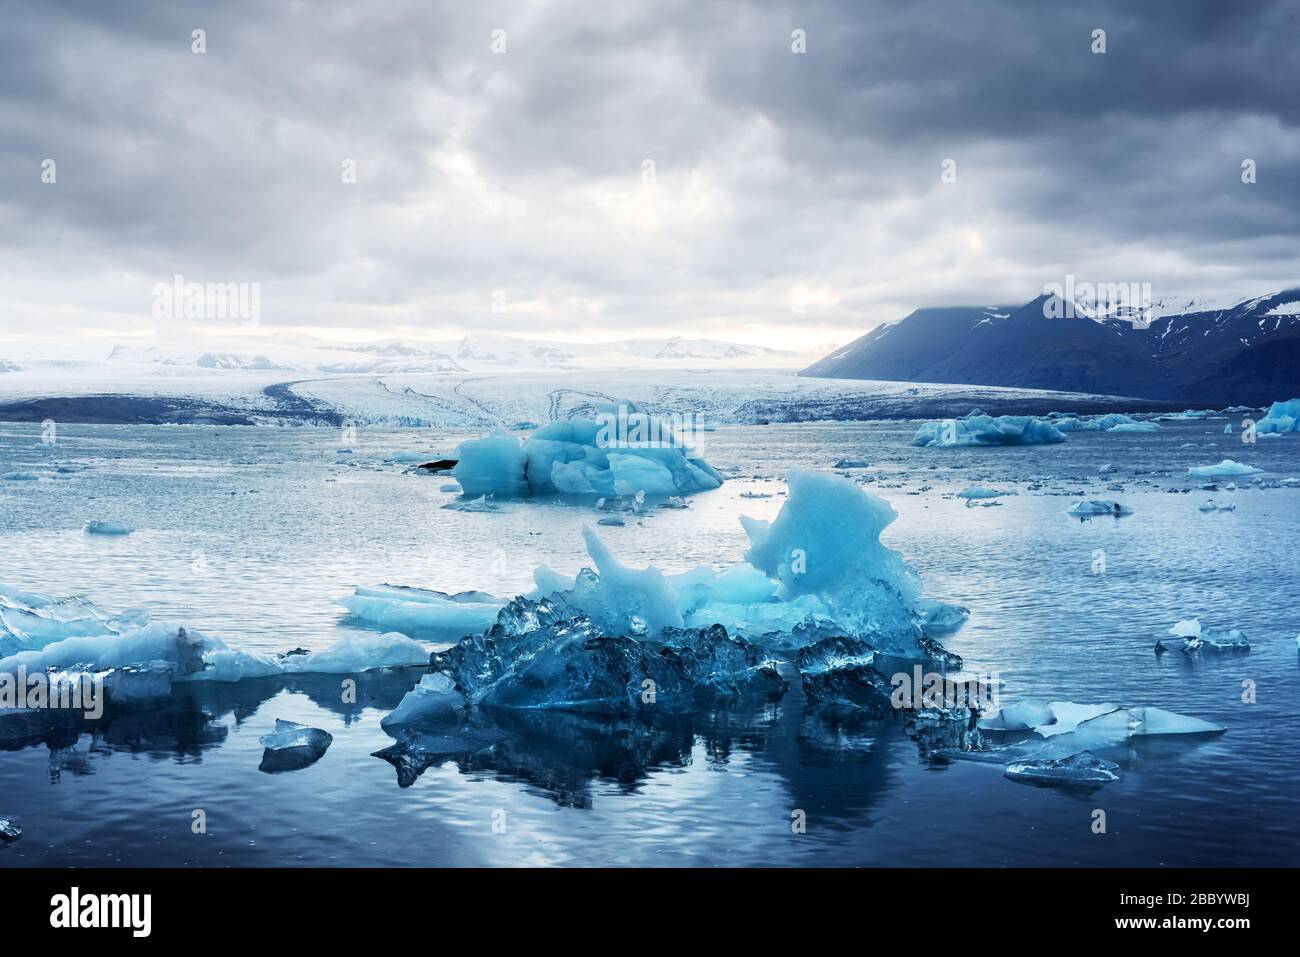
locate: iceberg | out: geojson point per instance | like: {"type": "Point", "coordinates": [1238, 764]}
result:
{"type": "Point", "coordinates": [979, 491]}
{"type": "Point", "coordinates": [292, 746]}
{"type": "Point", "coordinates": [414, 610]}
{"type": "Point", "coordinates": [980, 429]}
{"type": "Point", "coordinates": [540, 655]}
{"type": "Point", "coordinates": [1281, 417]}
{"type": "Point", "coordinates": [586, 456]}
{"type": "Point", "coordinates": [108, 528]}
{"type": "Point", "coordinates": [70, 634]}
{"type": "Point", "coordinates": [1082, 768]}
{"type": "Point", "coordinates": [1190, 637]}
{"type": "Point", "coordinates": [1098, 507]}
{"type": "Point", "coordinates": [1226, 467]}
{"type": "Point", "coordinates": [1135, 427]}
{"type": "Point", "coordinates": [1099, 423]}
{"type": "Point", "coordinates": [1097, 724]}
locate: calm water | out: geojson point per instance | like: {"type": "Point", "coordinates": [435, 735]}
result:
{"type": "Point", "coordinates": [252, 534]}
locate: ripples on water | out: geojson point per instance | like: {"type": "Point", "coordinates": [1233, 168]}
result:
{"type": "Point", "coordinates": [251, 534]}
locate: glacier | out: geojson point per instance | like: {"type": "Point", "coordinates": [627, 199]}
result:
{"type": "Point", "coordinates": [979, 429]}
{"type": "Point", "coordinates": [585, 456]}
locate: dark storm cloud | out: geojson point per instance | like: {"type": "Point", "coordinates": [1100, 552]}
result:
{"type": "Point", "coordinates": [776, 175]}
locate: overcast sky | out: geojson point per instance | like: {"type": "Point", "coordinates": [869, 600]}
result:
{"type": "Point", "coordinates": [621, 169]}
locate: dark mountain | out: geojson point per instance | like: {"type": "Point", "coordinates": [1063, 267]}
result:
{"type": "Point", "coordinates": [1249, 352]}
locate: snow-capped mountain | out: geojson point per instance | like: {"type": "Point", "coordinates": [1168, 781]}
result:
{"type": "Point", "coordinates": [1182, 350]}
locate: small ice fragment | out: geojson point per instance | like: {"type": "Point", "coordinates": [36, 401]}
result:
{"type": "Point", "coordinates": [9, 831]}
{"type": "Point", "coordinates": [851, 464]}
{"type": "Point", "coordinates": [433, 698]}
{"type": "Point", "coordinates": [1098, 507]}
{"type": "Point", "coordinates": [1211, 505]}
{"type": "Point", "coordinates": [940, 619]}
{"type": "Point", "coordinates": [1226, 467]}
{"type": "Point", "coordinates": [292, 746]}
{"type": "Point", "coordinates": [1082, 768]}
{"type": "Point", "coordinates": [979, 491]}
{"type": "Point", "coordinates": [108, 528]}
{"type": "Point", "coordinates": [612, 520]}
{"type": "Point", "coordinates": [481, 504]}
{"type": "Point", "coordinates": [20, 477]}
{"type": "Point", "coordinates": [1022, 716]}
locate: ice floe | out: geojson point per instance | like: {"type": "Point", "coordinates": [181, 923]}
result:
{"type": "Point", "coordinates": [1081, 768]}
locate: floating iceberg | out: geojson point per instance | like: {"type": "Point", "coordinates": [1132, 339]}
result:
{"type": "Point", "coordinates": [979, 491]}
{"type": "Point", "coordinates": [1098, 507]}
{"type": "Point", "coordinates": [108, 528]}
{"type": "Point", "coordinates": [979, 429]}
{"type": "Point", "coordinates": [1281, 417]}
{"type": "Point", "coordinates": [1190, 637]}
{"type": "Point", "coordinates": [1099, 423]}
{"type": "Point", "coordinates": [292, 746]}
{"type": "Point", "coordinates": [1135, 427]}
{"type": "Point", "coordinates": [540, 655]}
{"type": "Point", "coordinates": [820, 560]}
{"type": "Point", "coordinates": [1096, 725]}
{"type": "Point", "coordinates": [1226, 467]}
{"type": "Point", "coordinates": [1082, 768]}
{"type": "Point", "coordinates": [40, 633]}
{"type": "Point", "coordinates": [594, 456]}
{"type": "Point", "coordinates": [415, 610]}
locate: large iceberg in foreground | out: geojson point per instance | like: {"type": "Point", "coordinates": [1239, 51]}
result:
{"type": "Point", "coordinates": [980, 429]}
{"type": "Point", "coordinates": [820, 562]}
{"type": "Point", "coordinates": [1282, 417]}
{"type": "Point", "coordinates": [542, 655]}
{"type": "Point", "coordinates": [616, 453]}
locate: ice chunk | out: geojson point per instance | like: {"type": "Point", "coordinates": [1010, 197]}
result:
{"type": "Point", "coordinates": [483, 503]}
{"type": "Point", "coordinates": [1022, 716]}
{"type": "Point", "coordinates": [979, 429]}
{"type": "Point", "coordinates": [1282, 417]}
{"type": "Point", "coordinates": [851, 464]}
{"type": "Point", "coordinates": [357, 653]}
{"type": "Point", "coordinates": [434, 698]}
{"type": "Point", "coordinates": [940, 619]}
{"type": "Point", "coordinates": [1190, 637]}
{"type": "Point", "coordinates": [108, 528]}
{"type": "Point", "coordinates": [416, 610]}
{"type": "Point", "coordinates": [1098, 507]}
{"type": "Point", "coordinates": [586, 456]}
{"type": "Point", "coordinates": [41, 633]}
{"type": "Point", "coordinates": [1135, 427]}
{"type": "Point", "coordinates": [1226, 467]}
{"type": "Point", "coordinates": [20, 477]}
{"type": "Point", "coordinates": [9, 831]}
{"type": "Point", "coordinates": [539, 657]}
{"type": "Point", "coordinates": [292, 746]}
{"type": "Point", "coordinates": [1067, 715]}
{"type": "Point", "coordinates": [491, 465]}
{"type": "Point", "coordinates": [1082, 768]}
{"type": "Point", "coordinates": [979, 491]}
{"type": "Point", "coordinates": [1210, 505]}
{"type": "Point", "coordinates": [825, 543]}
{"type": "Point", "coordinates": [840, 671]}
